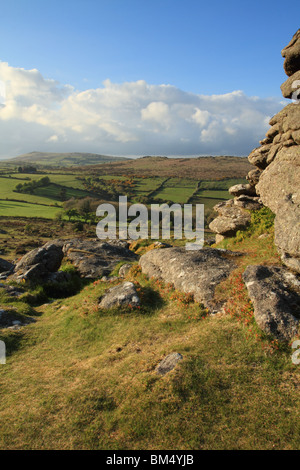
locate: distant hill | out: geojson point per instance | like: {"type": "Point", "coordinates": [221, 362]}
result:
{"type": "Point", "coordinates": [202, 168]}
{"type": "Point", "coordinates": [62, 159]}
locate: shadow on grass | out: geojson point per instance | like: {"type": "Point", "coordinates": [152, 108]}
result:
{"type": "Point", "coordinates": [151, 300]}
{"type": "Point", "coordinates": [13, 341]}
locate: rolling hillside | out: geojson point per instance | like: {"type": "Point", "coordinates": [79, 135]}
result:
{"type": "Point", "coordinates": [62, 159]}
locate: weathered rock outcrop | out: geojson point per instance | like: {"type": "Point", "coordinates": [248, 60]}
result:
{"type": "Point", "coordinates": [120, 295]}
{"type": "Point", "coordinates": [275, 182]}
{"type": "Point", "coordinates": [292, 55]}
{"type": "Point", "coordinates": [279, 157]}
{"type": "Point", "coordinates": [195, 272]}
{"type": "Point", "coordinates": [231, 218]}
{"type": "Point", "coordinates": [94, 258]}
{"type": "Point", "coordinates": [275, 294]}
{"type": "Point", "coordinates": [40, 262]}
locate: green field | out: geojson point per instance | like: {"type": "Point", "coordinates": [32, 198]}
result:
{"type": "Point", "coordinates": [63, 179]}
{"type": "Point", "coordinates": [220, 185]}
{"type": "Point", "coordinates": [177, 190]}
{"type": "Point", "coordinates": [147, 185]}
{"type": "Point", "coordinates": [168, 189]}
{"type": "Point", "coordinates": [23, 209]}
{"type": "Point", "coordinates": [7, 186]}
{"type": "Point", "coordinates": [43, 195]}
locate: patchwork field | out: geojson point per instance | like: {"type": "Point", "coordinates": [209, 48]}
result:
{"type": "Point", "coordinates": [156, 185]}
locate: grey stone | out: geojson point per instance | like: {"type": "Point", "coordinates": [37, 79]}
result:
{"type": "Point", "coordinates": [249, 203]}
{"type": "Point", "coordinates": [258, 156]}
{"type": "Point", "coordinates": [38, 263]}
{"type": "Point", "coordinates": [274, 292]}
{"type": "Point", "coordinates": [279, 190]}
{"type": "Point", "coordinates": [195, 272]}
{"type": "Point", "coordinates": [287, 119]}
{"type": "Point", "coordinates": [124, 269]}
{"type": "Point", "coordinates": [239, 189]}
{"type": "Point", "coordinates": [253, 176]}
{"type": "Point", "coordinates": [230, 220]}
{"type": "Point", "coordinates": [94, 258]}
{"type": "Point", "coordinates": [120, 295]}
{"type": "Point", "coordinates": [287, 87]}
{"type": "Point", "coordinates": [281, 179]}
{"type": "Point", "coordinates": [5, 266]}
{"type": "Point", "coordinates": [59, 277]}
{"type": "Point", "coordinates": [168, 363]}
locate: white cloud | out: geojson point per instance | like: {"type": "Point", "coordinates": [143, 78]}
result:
{"type": "Point", "coordinates": [129, 118]}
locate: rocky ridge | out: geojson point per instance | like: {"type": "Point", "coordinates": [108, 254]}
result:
{"type": "Point", "coordinates": [275, 180]}
{"type": "Point", "coordinates": [273, 183]}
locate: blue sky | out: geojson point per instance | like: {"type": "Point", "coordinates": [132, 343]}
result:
{"type": "Point", "coordinates": [197, 47]}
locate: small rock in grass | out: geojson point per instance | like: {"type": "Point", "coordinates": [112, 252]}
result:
{"type": "Point", "coordinates": [168, 363]}
{"type": "Point", "coordinates": [120, 295]}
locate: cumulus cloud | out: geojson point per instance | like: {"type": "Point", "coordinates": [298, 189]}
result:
{"type": "Point", "coordinates": [131, 118]}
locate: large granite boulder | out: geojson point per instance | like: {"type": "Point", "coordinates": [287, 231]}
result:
{"type": "Point", "coordinates": [274, 292]}
{"type": "Point", "coordinates": [40, 262]}
{"type": "Point", "coordinates": [281, 179]}
{"type": "Point", "coordinates": [277, 174]}
{"type": "Point", "coordinates": [279, 190]}
{"type": "Point", "coordinates": [49, 256]}
{"type": "Point", "coordinates": [94, 258]}
{"type": "Point", "coordinates": [196, 272]}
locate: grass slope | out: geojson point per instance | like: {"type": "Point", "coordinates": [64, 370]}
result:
{"type": "Point", "coordinates": [81, 379]}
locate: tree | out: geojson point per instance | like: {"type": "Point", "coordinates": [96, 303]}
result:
{"type": "Point", "coordinates": [72, 213]}
{"type": "Point", "coordinates": [85, 209]}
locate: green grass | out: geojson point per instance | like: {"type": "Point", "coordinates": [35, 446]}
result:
{"type": "Point", "coordinates": [23, 209]}
{"type": "Point", "coordinates": [81, 379]}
